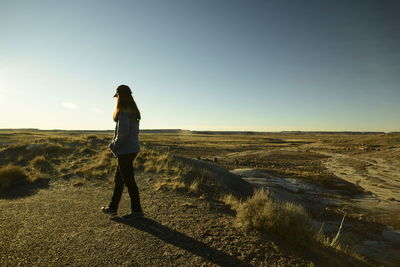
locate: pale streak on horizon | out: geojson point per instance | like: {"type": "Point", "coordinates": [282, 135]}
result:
{"type": "Point", "coordinates": [69, 105]}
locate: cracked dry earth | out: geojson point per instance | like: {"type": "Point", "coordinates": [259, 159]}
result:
{"type": "Point", "coordinates": [63, 226]}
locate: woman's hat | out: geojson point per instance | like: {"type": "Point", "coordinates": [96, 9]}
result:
{"type": "Point", "coordinates": [123, 89]}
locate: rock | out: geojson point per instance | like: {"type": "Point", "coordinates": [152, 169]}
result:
{"type": "Point", "coordinates": [371, 243]}
{"type": "Point", "coordinates": [391, 235]}
{"type": "Point", "coordinates": [34, 147]}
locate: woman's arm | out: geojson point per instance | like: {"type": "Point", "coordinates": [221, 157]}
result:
{"type": "Point", "coordinates": [122, 131]}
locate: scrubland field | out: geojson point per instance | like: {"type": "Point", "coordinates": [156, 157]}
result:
{"type": "Point", "coordinates": [230, 199]}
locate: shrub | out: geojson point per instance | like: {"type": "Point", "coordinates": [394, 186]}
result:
{"type": "Point", "coordinates": [11, 176]}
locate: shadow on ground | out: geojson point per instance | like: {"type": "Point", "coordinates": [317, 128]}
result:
{"type": "Point", "coordinates": [25, 190]}
{"type": "Point", "coordinates": [183, 241]}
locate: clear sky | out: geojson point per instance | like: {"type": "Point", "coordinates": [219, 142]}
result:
{"type": "Point", "coordinates": [202, 65]}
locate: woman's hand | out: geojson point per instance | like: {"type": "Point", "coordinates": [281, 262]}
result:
{"type": "Point", "coordinates": [112, 148]}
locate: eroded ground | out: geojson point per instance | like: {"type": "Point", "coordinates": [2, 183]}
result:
{"type": "Point", "coordinates": [357, 167]}
{"type": "Point", "coordinates": [332, 175]}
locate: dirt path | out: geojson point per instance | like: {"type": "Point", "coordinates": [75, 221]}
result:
{"type": "Point", "coordinates": [63, 226]}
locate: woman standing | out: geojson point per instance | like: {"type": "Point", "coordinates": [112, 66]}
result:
{"type": "Point", "coordinates": [125, 146]}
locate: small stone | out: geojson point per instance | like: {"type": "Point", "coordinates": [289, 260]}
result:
{"type": "Point", "coordinates": [78, 184]}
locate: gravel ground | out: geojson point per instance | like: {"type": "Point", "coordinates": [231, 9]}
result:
{"type": "Point", "coordinates": [63, 226]}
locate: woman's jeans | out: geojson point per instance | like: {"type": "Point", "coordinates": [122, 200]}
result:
{"type": "Point", "coordinates": [125, 175]}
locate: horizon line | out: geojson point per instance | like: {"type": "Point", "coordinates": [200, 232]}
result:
{"type": "Point", "coordinates": [222, 131]}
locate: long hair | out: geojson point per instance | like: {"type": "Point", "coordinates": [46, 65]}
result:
{"type": "Point", "coordinates": [126, 103]}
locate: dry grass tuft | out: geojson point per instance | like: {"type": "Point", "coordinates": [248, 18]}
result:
{"type": "Point", "coordinates": [188, 205]}
{"type": "Point", "coordinates": [11, 176]}
{"type": "Point", "coordinates": [86, 151]}
{"type": "Point", "coordinates": [194, 186]}
{"type": "Point", "coordinates": [262, 213]}
{"type": "Point", "coordinates": [53, 148]}
{"type": "Point", "coordinates": [287, 220]}
{"type": "Point", "coordinates": [189, 176]}
{"type": "Point", "coordinates": [169, 185]}
{"type": "Point", "coordinates": [22, 154]}
{"type": "Point", "coordinates": [179, 175]}
{"type": "Point", "coordinates": [102, 165]}
{"type": "Point", "coordinates": [40, 163]}
{"type": "Point", "coordinates": [153, 161]}
{"type": "Point", "coordinates": [231, 201]}
{"type": "Point", "coordinates": [91, 137]}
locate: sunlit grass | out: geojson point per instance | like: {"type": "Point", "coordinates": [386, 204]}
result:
{"type": "Point", "coordinates": [11, 176]}
{"type": "Point", "coordinates": [287, 220]}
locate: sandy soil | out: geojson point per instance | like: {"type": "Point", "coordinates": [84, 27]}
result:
{"type": "Point", "coordinates": [63, 226]}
